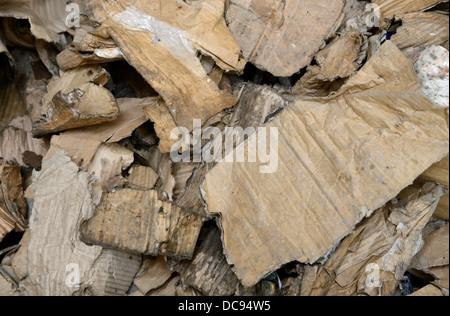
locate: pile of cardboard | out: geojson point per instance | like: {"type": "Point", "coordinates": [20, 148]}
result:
{"type": "Point", "coordinates": [118, 175]}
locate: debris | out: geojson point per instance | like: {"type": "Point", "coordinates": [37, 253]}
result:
{"type": "Point", "coordinates": [313, 157]}
{"type": "Point", "coordinates": [209, 272]}
{"type": "Point", "coordinates": [77, 99]}
{"type": "Point", "coordinates": [62, 200]}
{"type": "Point", "coordinates": [373, 258]}
{"type": "Point", "coordinates": [142, 178]}
{"type": "Point", "coordinates": [390, 8]}
{"type": "Point", "coordinates": [439, 173]}
{"type": "Point", "coordinates": [419, 30]}
{"type": "Point", "coordinates": [338, 61]}
{"type": "Point", "coordinates": [81, 144]}
{"type": "Point", "coordinates": [154, 226]}
{"type": "Point", "coordinates": [153, 275]}
{"type": "Point", "coordinates": [13, 207]}
{"type": "Point", "coordinates": [17, 139]}
{"type": "Point", "coordinates": [282, 37]}
{"type": "Point", "coordinates": [330, 176]}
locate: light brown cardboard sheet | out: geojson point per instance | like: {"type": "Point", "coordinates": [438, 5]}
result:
{"type": "Point", "coordinates": [340, 159]}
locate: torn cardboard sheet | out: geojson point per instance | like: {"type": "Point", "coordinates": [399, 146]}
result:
{"type": "Point", "coordinates": [373, 259]}
{"type": "Point", "coordinates": [390, 8]}
{"type": "Point", "coordinates": [159, 113]}
{"type": "Point", "coordinates": [338, 61]}
{"type": "Point", "coordinates": [439, 173]}
{"type": "Point", "coordinates": [168, 289]}
{"type": "Point", "coordinates": [435, 252]}
{"type": "Point", "coordinates": [209, 272]}
{"type": "Point", "coordinates": [81, 144]}
{"type": "Point", "coordinates": [70, 58]}
{"type": "Point", "coordinates": [421, 29]}
{"type": "Point", "coordinates": [12, 104]}
{"type": "Point", "coordinates": [56, 255]}
{"type": "Point", "coordinates": [282, 37]}
{"type": "Point", "coordinates": [169, 38]}
{"type": "Point", "coordinates": [153, 226]}
{"type": "Point", "coordinates": [13, 207]}
{"type": "Point", "coordinates": [429, 290]}
{"type": "Point", "coordinates": [47, 17]}
{"type": "Point", "coordinates": [338, 146]}
{"type": "Point", "coordinates": [152, 275]}
{"type": "Point", "coordinates": [17, 139]}
{"type": "Point", "coordinates": [142, 178]}
{"type": "Point", "coordinates": [106, 166]}
{"type": "Point", "coordinates": [76, 99]}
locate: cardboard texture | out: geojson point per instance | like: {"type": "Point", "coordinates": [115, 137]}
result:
{"type": "Point", "coordinates": [76, 99]}
{"type": "Point", "coordinates": [169, 38]}
{"type": "Point", "coordinates": [62, 200]}
{"type": "Point", "coordinates": [282, 37]}
{"type": "Point", "coordinates": [439, 173]}
{"type": "Point", "coordinates": [17, 139]}
{"type": "Point", "coordinates": [417, 27]}
{"type": "Point", "coordinates": [13, 207]}
{"type": "Point", "coordinates": [81, 144]}
{"type": "Point", "coordinates": [152, 275]}
{"type": "Point", "coordinates": [142, 178]}
{"type": "Point", "coordinates": [325, 198]}
{"type": "Point", "coordinates": [390, 8]}
{"type": "Point", "coordinates": [153, 226]}
{"type": "Point", "coordinates": [209, 272]}
{"type": "Point", "coordinates": [373, 259]}
{"type": "Point", "coordinates": [339, 60]}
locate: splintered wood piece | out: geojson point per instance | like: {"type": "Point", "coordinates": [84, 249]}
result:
{"type": "Point", "coordinates": [153, 226]}
{"type": "Point", "coordinates": [81, 144]}
{"type": "Point", "coordinates": [62, 201]}
{"type": "Point", "coordinates": [13, 207]}
{"type": "Point", "coordinates": [345, 168]}
{"type": "Point", "coordinates": [421, 29]}
{"type": "Point", "coordinates": [282, 37]}
{"type": "Point", "coordinates": [76, 99]}
{"type": "Point", "coordinates": [339, 60]}
{"type": "Point", "coordinates": [142, 178]}
{"type": "Point", "coordinates": [17, 139]}
{"type": "Point", "coordinates": [152, 275]}
{"type": "Point", "coordinates": [209, 272]}
{"type": "Point", "coordinates": [373, 259]}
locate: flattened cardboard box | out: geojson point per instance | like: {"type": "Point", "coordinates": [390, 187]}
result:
{"type": "Point", "coordinates": [340, 159]}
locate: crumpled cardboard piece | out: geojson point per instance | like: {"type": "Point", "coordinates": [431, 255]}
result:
{"type": "Point", "coordinates": [373, 259]}
{"type": "Point", "coordinates": [17, 139]}
{"type": "Point", "coordinates": [341, 149]}
{"type": "Point", "coordinates": [76, 99]}
{"type": "Point", "coordinates": [153, 225]}
{"type": "Point", "coordinates": [81, 144]}
{"type": "Point", "coordinates": [13, 207]}
{"type": "Point", "coordinates": [282, 37]}
{"type": "Point", "coordinates": [169, 38]}
{"type": "Point", "coordinates": [335, 63]}
{"type": "Point", "coordinates": [152, 275]}
{"type": "Point", "coordinates": [420, 29]}
{"type": "Point", "coordinates": [56, 256]}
